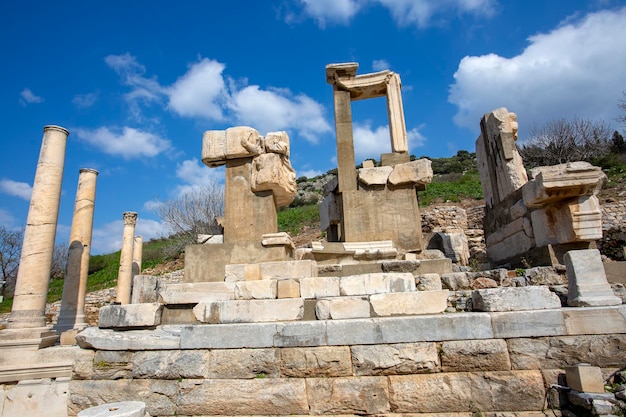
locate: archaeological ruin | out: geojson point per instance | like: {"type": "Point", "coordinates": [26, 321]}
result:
{"type": "Point", "coordinates": [385, 317]}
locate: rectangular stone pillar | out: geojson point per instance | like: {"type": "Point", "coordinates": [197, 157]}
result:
{"type": "Point", "coordinates": [346, 170]}
{"type": "Point", "coordinates": [586, 279]}
{"type": "Point", "coordinates": [395, 113]}
{"type": "Point", "coordinates": [247, 215]}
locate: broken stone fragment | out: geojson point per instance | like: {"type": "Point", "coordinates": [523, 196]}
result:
{"type": "Point", "coordinates": [375, 176]}
{"type": "Point", "coordinates": [232, 143]}
{"type": "Point", "coordinates": [418, 172]}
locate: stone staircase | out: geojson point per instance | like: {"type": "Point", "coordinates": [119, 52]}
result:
{"type": "Point", "coordinates": [289, 291]}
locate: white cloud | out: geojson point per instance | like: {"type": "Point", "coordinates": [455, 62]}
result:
{"type": "Point", "coordinates": [310, 173]}
{"type": "Point", "coordinates": [196, 175]}
{"type": "Point", "coordinates": [128, 143]}
{"type": "Point", "coordinates": [83, 101]}
{"type": "Point", "coordinates": [152, 205]}
{"type": "Point", "coordinates": [28, 97]}
{"type": "Point", "coordinates": [278, 109]}
{"type": "Point", "coordinates": [331, 11]}
{"type": "Point", "coordinates": [108, 238]}
{"type": "Point", "coordinates": [200, 91]}
{"type": "Point", "coordinates": [422, 12]}
{"type": "Point", "coordinates": [575, 70]}
{"type": "Point", "coordinates": [370, 143]}
{"type": "Point", "coordinates": [380, 65]}
{"type": "Point", "coordinates": [143, 90]}
{"type": "Point", "coordinates": [404, 12]}
{"type": "Point", "coordinates": [15, 188]}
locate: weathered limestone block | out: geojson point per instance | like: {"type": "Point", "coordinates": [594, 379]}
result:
{"type": "Point", "coordinates": [342, 308]}
{"type": "Point", "coordinates": [376, 283]}
{"type": "Point", "coordinates": [455, 281]}
{"type": "Point", "coordinates": [232, 143]}
{"type": "Point", "coordinates": [593, 321]}
{"type": "Point", "coordinates": [584, 378]}
{"type": "Point", "coordinates": [395, 359]}
{"type": "Point", "coordinates": [418, 172]}
{"type": "Point", "coordinates": [319, 287]}
{"type": "Point", "coordinates": [558, 352]}
{"type": "Point", "coordinates": [455, 247]}
{"type": "Point", "coordinates": [255, 290]}
{"type": "Point", "coordinates": [405, 265]}
{"type": "Point", "coordinates": [196, 292]}
{"type": "Point", "coordinates": [170, 364]}
{"type": "Point", "coordinates": [118, 409]}
{"type": "Point", "coordinates": [475, 355]}
{"type": "Point", "coordinates": [241, 335]}
{"type": "Point", "coordinates": [273, 172]}
{"type": "Point", "coordinates": [160, 396]}
{"type": "Point", "coordinates": [250, 311]}
{"type": "Point", "coordinates": [428, 282]}
{"type": "Point", "coordinates": [577, 219]}
{"type": "Point", "coordinates": [38, 397]}
{"type": "Point", "coordinates": [409, 303]}
{"type": "Point", "coordinates": [499, 163]}
{"type": "Point", "coordinates": [244, 363]}
{"type": "Point", "coordinates": [514, 299]}
{"type": "Point", "coordinates": [527, 323]}
{"type": "Point", "coordinates": [163, 337]}
{"type": "Point", "coordinates": [288, 288]}
{"type": "Point", "coordinates": [130, 315]}
{"type": "Point", "coordinates": [309, 332]}
{"type": "Point", "coordinates": [355, 395]}
{"type": "Point", "coordinates": [519, 242]}
{"type": "Point", "coordinates": [288, 269]}
{"type": "Point", "coordinates": [458, 391]}
{"type": "Point", "coordinates": [374, 176]}
{"type": "Point", "coordinates": [560, 182]}
{"type": "Point", "coordinates": [322, 361]}
{"type": "Point", "coordinates": [231, 397]}
{"type": "Point", "coordinates": [277, 239]}
{"type": "Point", "coordinates": [144, 289]}
{"type": "Point", "coordinates": [586, 278]}
{"type": "Point", "coordinates": [112, 364]}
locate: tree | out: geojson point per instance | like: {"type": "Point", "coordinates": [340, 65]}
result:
{"type": "Point", "coordinates": [560, 141]}
{"type": "Point", "coordinates": [194, 212]}
{"type": "Point", "coordinates": [59, 261]}
{"type": "Point", "coordinates": [10, 250]}
{"type": "Point", "coordinates": [618, 145]}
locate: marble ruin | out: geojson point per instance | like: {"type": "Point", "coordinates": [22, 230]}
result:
{"type": "Point", "coordinates": [373, 203]}
{"type": "Point", "coordinates": [537, 220]}
{"type": "Point", "coordinates": [354, 326]}
{"type": "Point", "coordinates": [72, 314]}
{"type": "Point", "coordinates": [259, 180]}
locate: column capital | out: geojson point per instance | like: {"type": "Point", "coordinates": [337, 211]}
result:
{"type": "Point", "coordinates": [90, 170]}
{"type": "Point", "coordinates": [130, 218]}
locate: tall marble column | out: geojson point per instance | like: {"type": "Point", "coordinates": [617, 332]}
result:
{"type": "Point", "coordinates": [72, 314]}
{"type": "Point", "coordinates": [125, 274]}
{"type": "Point", "coordinates": [31, 289]}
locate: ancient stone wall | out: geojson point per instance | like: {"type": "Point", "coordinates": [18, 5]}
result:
{"type": "Point", "coordinates": [468, 372]}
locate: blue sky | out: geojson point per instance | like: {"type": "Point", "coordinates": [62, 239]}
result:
{"type": "Point", "coordinates": [137, 83]}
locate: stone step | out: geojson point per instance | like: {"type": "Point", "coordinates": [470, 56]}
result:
{"type": "Point", "coordinates": [331, 308]}
{"type": "Point", "coordinates": [196, 292]}
{"type": "Point", "coordinates": [416, 267]}
{"type": "Point", "coordinates": [271, 270]}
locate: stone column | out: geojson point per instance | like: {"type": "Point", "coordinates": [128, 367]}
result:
{"type": "Point", "coordinates": [137, 255]}
{"type": "Point", "coordinates": [31, 289]}
{"type": "Point", "coordinates": [124, 277]}
{"type": "Point", "coordinates": [72, 314]}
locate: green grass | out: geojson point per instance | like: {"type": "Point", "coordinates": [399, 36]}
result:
{"type": "Point", "coordinates": [293, 220]}
{"type": "Point", "coordinates": [452, 188]}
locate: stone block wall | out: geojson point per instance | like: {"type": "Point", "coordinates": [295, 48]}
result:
{"type": "Point", "coordinates": [457, 377]}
